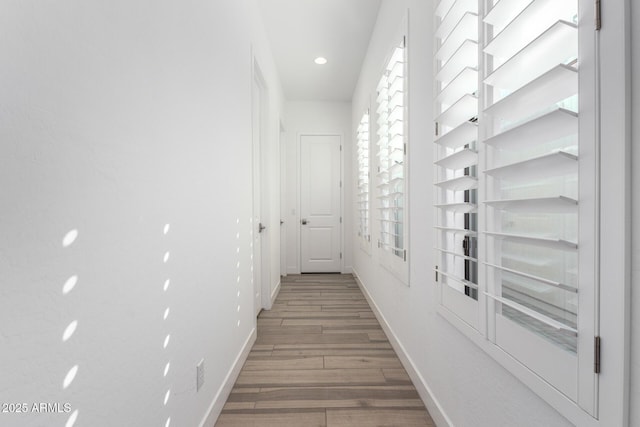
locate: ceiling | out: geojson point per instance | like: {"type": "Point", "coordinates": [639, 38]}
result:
{"type": "Point", "coordinates": [301, 30]}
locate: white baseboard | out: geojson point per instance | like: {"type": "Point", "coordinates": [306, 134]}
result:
{"type": "Point", "coordinates": [433, 406]}
{"type": "Point", "coordinates": [274, 294]}
{"type": "Point", "coordinates": [225, 389]}
{"type": "Point", "coordinates": [293, 270]}
{"type": "Point", "coordinates": [347, 270]}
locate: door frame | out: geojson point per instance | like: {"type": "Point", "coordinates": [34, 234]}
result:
{"type": "Point", "coordinates": [299, 194]}
{"type": "Point", "coordinates": [263, 275]}
{"type": "Point", "coordinates": [282, 147]}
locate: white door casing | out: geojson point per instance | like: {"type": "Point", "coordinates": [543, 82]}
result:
{"type": "Point", "coordinates": [260, 216]}
{"type": "Point", "coordinates": [320, 203]}
{"type": "Point", "coordinates": [256, 237]}
{"type": "Point", "coordinates": [283, 206]}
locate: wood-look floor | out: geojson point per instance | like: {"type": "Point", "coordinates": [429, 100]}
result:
{"type": "Point", "coordinates": [321, 359]}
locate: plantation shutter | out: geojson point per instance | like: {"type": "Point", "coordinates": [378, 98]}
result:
{"type": "Point", "coordinates": [364, 230]}
{"type": "Point", "coordinates": [515, 182]}
{"type": "Point", "coordinates": [391, 155]}
{"type": "Point", "coordinates": [456, 156]}
{"type": "Point", "coordinates": [533, 187]}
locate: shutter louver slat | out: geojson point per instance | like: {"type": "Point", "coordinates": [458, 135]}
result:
{"type": "Point", "coordinates": [459, 160]}
{"type": "Point", "coordinates": [465, 56]}
{"type": "Point", "coordinates": [533, 277]}
{"type": "Point", "coordinates": [552, 87]}
{"type": "Point", "coordinates": [559, 204]}
{"type": "Point", "coordinates": [532, 313]}
{"type": "Point", "coordinates": [549, 165]}
{"type": "Point", "coordinates": [457, 11]}
{"type": "Point", "coordinates": [462, 110]}
{"type": "Point", "coordinates": [459, 280]}
{"type": "Point", "coordinates": [503, 12]}
{"type": "Point", "coordinates": [466, 29]}
{"type": "Point", "coordinates": [463, 135]}
{"type": "Point", "coordinates": [458, 207]}
{"type": "Point", "coordinates": [462, 183]}
{"type": "Point", "coordinates": [529, 24]}
{"type": "Point", "coordinates": [465, 82]}
{"type": "Point", "coordinates": [553, 47]}
{"type": "Point", "coordinates": [557, 124]}
{"type": "Point", "coordinates": [547, 242]}
{"type": "Point", "coordinates": [457, 255]}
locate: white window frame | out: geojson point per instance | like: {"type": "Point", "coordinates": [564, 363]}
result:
{"type": "Point", "coordinates": [607, 403]}
{"type": "Point", "coordinates": [363, 181]}
{"type": "Point", "coordinates": [397, 265]}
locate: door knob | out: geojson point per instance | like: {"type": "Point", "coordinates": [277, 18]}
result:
{"type": "Point", "coordinates": [261, 228]}
{"type": "Point", "coordinates": [304, 221]}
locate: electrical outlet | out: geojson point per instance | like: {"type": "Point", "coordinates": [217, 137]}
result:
{"type": "Point", "coordinates": [199, 375]}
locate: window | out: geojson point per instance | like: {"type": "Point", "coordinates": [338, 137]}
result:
{"type": "Point", "coordinates": [514, 229]}
{"type": "Point", "coordinates": [457, 158]}
{"type": "Point", "coordinates": [392, 146]}
{"type": "Point", "coordinates": [363, 202]}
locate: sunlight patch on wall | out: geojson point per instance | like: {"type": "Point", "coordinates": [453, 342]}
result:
{"type": "Point", "coordinates": [165, 316]}
{"type": "Point", "coordinates": [69, 238]}
{"type": "Point", "coordinates": [69, 284]}
{"type": "Point", "coordinates": [71, 375]}
{"type": "Point", "coordinates": [72, 419]}
{"type": "Point", "coordinates": [69, 331]}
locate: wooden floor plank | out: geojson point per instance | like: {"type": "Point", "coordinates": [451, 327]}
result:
{"type": "Point", "coordinates": [271, 363]}
{"type": "Point", "coordinates": [378, 417]}
{"type": "Point", "coordinates": [314, 339]}
{"type": "Point", "coordinates": [333, 352]}
{"type": "Point", "coordinates": [322, 359]}
{"type": "Point", "coordinates": [298, 377]}
{"type": "Point", "coordinates": [336, 323]}
{"type": "Point", "coordinates": [257, 419]}
{"type": "Point", "coordinates": [290, 329]}
{"type": "Point", "coordinates": [360, 362]}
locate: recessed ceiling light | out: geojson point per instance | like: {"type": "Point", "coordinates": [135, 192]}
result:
{"type": "Point", "coordinates": [320, 60]}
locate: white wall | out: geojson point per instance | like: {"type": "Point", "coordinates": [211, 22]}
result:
{"type": "Point", "coordinates": [117, 118]}
{"type": "Point", "coordinates": [635, 215]}
{"type": "Point", "coordinates": [315, 117]}
{"type": "Point", "coordinates": [470, 388]}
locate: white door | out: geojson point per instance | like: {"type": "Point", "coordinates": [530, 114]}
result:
{"type": "Point", "coordinates": [320, 204]}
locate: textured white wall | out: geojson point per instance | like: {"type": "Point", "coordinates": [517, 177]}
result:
{"type": "Point", "coordinates": [315, 117]}
{"type": "Point", "coordinates": [635, 215]}
{"type": "Point", "coordinates": [117, 118]}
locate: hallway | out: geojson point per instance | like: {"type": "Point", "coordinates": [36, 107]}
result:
{"type": "Point", "coordinates": [466, 170]}
{"type": "Point", "coordinates": [322, 359]}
